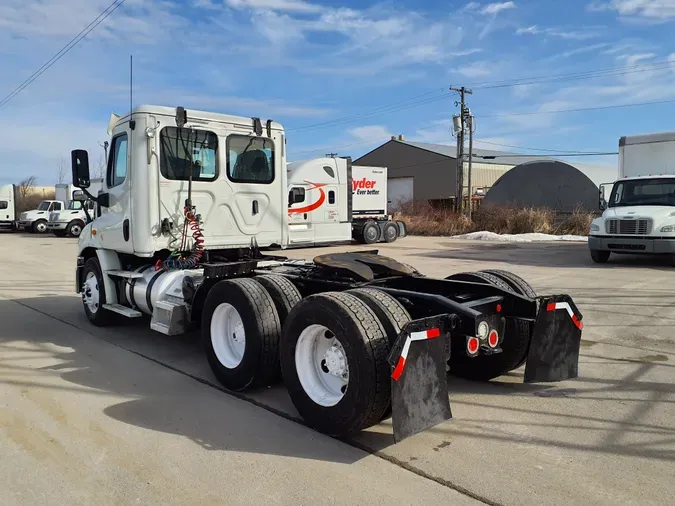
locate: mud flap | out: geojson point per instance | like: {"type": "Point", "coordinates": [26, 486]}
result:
{"type": "Point", "coordinates": [556, 339]}
{"type": "Point", "coordinates": [419, 392]}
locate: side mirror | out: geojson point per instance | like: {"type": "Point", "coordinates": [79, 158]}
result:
{"type": "Point", "coordinates": [603, 204]}
{"type": "Point", "coordinates": [296, 195]}
{"type": "Point", "coordinates": [80, 166]}
{"type": "Point", "coordinates": [602, 201]}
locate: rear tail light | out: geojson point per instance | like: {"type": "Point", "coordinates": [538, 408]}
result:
{"type": "Point", "coordinates": [493, 339]}
{"type": "Point", "coordinates": [472, 345]}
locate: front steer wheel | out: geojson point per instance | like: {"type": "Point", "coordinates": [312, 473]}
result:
{"type": "Point", "coordinates": [334, 361]}
{"type": "Point", "coordinates": [93, 295]}
{"type": "Point", "coordinates": [599, 256]}
{"type": "Point", "coordinates": [240, 332]}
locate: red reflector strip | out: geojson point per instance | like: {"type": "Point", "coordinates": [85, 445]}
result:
{"type": "Point", "coordinates": [399, 369]}
{"type": "Point", "coordinates": [566, 306]}
{"type": "Point", "coordinates": [414, 336]}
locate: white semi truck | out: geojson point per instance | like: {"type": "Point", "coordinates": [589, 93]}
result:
{"type": "Point", "coordinates": [190, 204]}
{"type": "Point", "coordinates": [335, 201]}
{"type": "Point", "coordinates": [8, 200]}
{"type": "Point", "coordinates": [78, 212]}
{"type": "Point", "coordinates": [639, 210]}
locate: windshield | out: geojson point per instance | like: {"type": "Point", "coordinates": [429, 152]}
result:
{"type": "Point", "coordinates": [643, 192]}
{"type": "Point", "coordinates": [74, 205]}
{"type": "Point", "coordinates": [44, 205]}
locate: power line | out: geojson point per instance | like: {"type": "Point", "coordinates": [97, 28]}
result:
{"type": "Point", "coordinates": [73, 42]}
{"type": "Point", "coordinates": [394, 107]}
{"type": "Point", "coordinates": [526, 148]}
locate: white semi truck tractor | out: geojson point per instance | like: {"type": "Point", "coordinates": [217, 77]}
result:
{"type": "Point", "coordinates": [639, 209]}
{"type": "Point", "coordinates": [191, 205]}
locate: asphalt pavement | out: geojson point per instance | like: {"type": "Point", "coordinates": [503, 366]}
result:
{"type": "Point", "coordinates": [124, 415]}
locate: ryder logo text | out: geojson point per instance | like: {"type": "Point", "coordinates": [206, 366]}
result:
{"type": "Point", "coordinates": [364, 187]}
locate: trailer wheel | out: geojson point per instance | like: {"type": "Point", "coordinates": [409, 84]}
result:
{"type": "Point", "coordinates": [93, 294]}
{"type": "Point", "coordinates": [334, 361]}
{"type": "Point", "coordinates": [391, 314]}
{"type": "Point", "coordinates": [390, 232]}
{"type": "Point", "coordinates": [514, 348]}
{"type": "Point", "coordinates": [370, 232]}
{"type": "Point", "coordinates": [240, 332]}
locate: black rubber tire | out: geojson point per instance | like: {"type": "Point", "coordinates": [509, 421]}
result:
{"type": "Point", "coordinates": [481, 277]}
{"type": "Point", "coordinates": [370, 232]}
{"type": "Point", "coordinates": [260, 364]}
{"type": "Point", "coordinates": [514, 347]}
{"type": "Point", "coordinates": [402, 228]}
{"type": "Point", "coordinates": [71, 229]}
{"type": "Point", "coordinates": [391, 314]}
{"type": "Point", "coordinates": [600, 256]}
{"type": "Point", "coordinates": [39, 224]}
{"type": "Point", "coordinates": [390, 232]}
{"type": "Point", "coordinates": [59, 233]}
{"type": "Point", "coordinates": [364, 340]}
{"type": "Point", "coordinates": [101, 317]}
{"type": "Point", "coordinates": [517, 284]}
{"type": "Point", "coordinates": [284, 293]}
{"type": "Point", "coordinates": [285, 296]}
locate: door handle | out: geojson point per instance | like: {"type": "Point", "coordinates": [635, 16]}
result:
{"type": "Point", "coordinates": [255, 207]}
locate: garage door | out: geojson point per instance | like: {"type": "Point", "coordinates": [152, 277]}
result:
{"type": "Point", "coordinates": [399, 191]}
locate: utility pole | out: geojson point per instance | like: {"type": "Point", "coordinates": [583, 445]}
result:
{"type": "Point", "coordinates": [470, 120]}
{"type": "Point", "coordinates": [331, 155]}
{"type": "Point", "coordinates": [460, 129]}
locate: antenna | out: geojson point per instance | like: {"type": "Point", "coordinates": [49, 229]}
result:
{"type": "Point", "coordinates": [132, 123]}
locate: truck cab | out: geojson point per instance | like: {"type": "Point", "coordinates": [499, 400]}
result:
{"type": "Point", "coordinates": [36, 220]}
{"type": "Point", "coordinates": [639, 209]}
{"type": "Point", "coordinates": [72, 220]}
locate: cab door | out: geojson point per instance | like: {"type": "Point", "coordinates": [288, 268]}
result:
{"type": "Point", "coordinates": [113, 226]}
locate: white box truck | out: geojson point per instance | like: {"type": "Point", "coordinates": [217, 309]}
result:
{"type": "Point", "coordinates": [639, 213]}
{"type": "Point", "coordinates": [8, 198]}
{"type": "Point", "coordinates": [36, 220]}
{"type": "Point", "coordinates": [73, 218]}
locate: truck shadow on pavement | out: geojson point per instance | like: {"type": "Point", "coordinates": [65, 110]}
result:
{"type": "Point", "coordinates": [606, 411]}
{"type": "Point", "coordinates": [544, 254]}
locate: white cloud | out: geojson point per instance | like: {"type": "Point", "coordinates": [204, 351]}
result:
{"type": "Point", "coordinates": [497, 7]}
{"type": "Point", "coordinates": [275, 5]}
{"type": "Point", "coordinates": [557, 32]}
{"type": "Point", "coordinates": [476, 69]}
{"type": "Point", "coordinates": [370, 133]}
{"type": "Point", "coordinates": [653, 10]}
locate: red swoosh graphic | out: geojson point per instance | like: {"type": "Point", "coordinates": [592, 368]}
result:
{"type": "Point", "coordinates": [315, 205]}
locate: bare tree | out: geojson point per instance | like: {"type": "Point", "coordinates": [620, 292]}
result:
{"type": "Point", "coordinates": [26, 186]}
{"type": "Point", "coordinates": [62, 171]}
{"type": "Point", "coordinates": [99, 168]}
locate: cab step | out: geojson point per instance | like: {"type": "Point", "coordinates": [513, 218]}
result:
{"type": "Point", "coordinates": [123, 310]}
{"type": "Point", "coordinates": [124, 274]}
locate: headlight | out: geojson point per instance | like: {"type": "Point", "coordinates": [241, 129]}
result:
{"type": "Point", "coordinates": [483, 330]}
{"type": "Point", "coordinates": [595, 228]}
{"type": "Point", "coordinates": [668, 228]}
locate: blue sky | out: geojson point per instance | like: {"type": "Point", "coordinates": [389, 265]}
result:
{"type": "Point", "coordinates": [339, 75]}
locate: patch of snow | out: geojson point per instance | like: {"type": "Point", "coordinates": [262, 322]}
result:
{"type": "Point", "coordinates": [491, 236]}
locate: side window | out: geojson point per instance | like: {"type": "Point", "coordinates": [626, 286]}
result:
{"type": "Point", "coordinates": [184, 150]}
{"type": "Point", "coordinates": [250, 159]}
{"type": "Point", "coordinates": [4, 204]}
{"type": "Point", "coordinates": [331, 197]}
{"type": "Point", "coordinates": [117, 166]}
{"type": "Point", "coordinates": [56, 206]}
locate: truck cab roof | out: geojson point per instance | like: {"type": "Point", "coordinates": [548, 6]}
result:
{"type": "Point", "coordinates": [193, 116]}
{"type": "Point", "coordinates": [648, 176]}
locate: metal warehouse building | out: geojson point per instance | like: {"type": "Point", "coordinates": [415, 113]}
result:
{"type": "Point", "coordinates": [420, 171]}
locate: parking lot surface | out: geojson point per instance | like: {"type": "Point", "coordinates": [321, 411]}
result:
{"type": "Point", "coordinates": [124, 414]}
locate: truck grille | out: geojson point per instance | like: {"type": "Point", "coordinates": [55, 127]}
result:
{"type": "Point", "coordinates": [629, 227]}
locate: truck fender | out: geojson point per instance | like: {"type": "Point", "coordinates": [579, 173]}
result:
{"type": "Point", "coordinates": [109, 261]}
